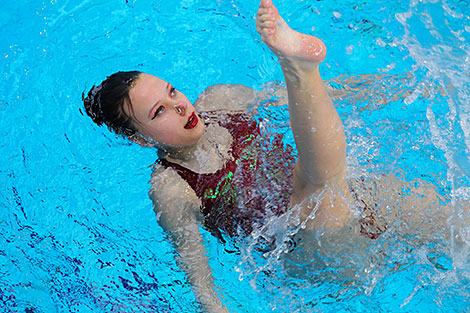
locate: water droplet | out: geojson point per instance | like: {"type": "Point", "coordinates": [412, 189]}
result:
{"type": "Point", "coordinates": [380, 42]}
{"type": "Point", "coordinates": [337, 14]}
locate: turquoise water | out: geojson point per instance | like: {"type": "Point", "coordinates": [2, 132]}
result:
{"type": "Point", "coordinates": [77, 230]}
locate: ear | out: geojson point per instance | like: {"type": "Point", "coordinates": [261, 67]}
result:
{"type": "Point", "coordinates": [142, 140]}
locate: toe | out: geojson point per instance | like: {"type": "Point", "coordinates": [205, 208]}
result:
{"type": "Point", "coordinates": [265, 3]}
{"type": "Point", "coordinates": [267, 24]}
{"type": "Point", "coordinates": [265, 17]}
{"type": "Point", "coordinates": [265, 14]}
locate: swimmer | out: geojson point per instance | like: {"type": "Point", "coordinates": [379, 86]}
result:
{"type": "Point", "coordinates": [152, 113]}
{"type": "Point", "coordinates": [202, 149]}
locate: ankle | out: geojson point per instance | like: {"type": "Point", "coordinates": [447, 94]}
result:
{"type": "Point", "coordinates": [297, 70]}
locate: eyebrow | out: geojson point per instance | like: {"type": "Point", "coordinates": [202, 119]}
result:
{"type": "Point", "coordinates": [158, 102]}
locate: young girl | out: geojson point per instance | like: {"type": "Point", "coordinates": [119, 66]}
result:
{"type": "Point", "coordinates": [208, 152]}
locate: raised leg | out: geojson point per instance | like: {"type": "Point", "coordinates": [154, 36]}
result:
{"type": "Point", "coordinates": [317, 127]}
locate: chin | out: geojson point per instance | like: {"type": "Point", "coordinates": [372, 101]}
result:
{"type": "Point", "coordinates": [199, 131]}
{"type": "Point", "coordinates": [197, 139]}
{"type": "Point", "coordinates": [194, 140]}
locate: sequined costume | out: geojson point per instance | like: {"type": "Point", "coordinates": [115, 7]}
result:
{"type": "Point", "coordinates": [255, 183]}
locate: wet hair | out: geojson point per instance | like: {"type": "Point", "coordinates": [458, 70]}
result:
{"type": "Point", "coordinates": [105, 102]}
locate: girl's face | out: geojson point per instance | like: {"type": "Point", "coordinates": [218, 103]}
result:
{"type": "Point", "coordinates": [163, 113]}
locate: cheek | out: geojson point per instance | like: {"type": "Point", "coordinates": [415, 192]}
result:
{"type": "Point", "coordinates": [202, 128]}
{"type": "Point", "coordinates": [166, 133]}
{"type": "Point", "coordinates": [156, 132]}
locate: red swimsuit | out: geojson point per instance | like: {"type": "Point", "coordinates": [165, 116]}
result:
{"type": "Point", "coordinates": [256, 183]}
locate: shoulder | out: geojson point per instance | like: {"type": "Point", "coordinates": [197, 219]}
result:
{"type": "Point", "coordinates": [171, 194]}
{"type": "Point", "coordinates": [233, 97]}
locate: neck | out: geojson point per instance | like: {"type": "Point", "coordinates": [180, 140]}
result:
{"type": "Point", "coordinates": [206, 156]}
{"type": "Point", "coordinates": [184, 154]}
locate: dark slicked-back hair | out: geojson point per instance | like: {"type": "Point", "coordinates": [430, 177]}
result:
{"type": "Point", "coordinates": [105, 102]}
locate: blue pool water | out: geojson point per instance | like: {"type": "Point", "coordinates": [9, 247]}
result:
{"type": "Point", "coordinates": [77, 230]}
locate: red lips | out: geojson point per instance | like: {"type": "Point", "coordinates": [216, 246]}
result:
{"type": "Point", "coordinates": [192, 121]}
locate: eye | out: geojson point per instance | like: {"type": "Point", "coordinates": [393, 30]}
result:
{"type": "Point", "coordinates": [158, 111]}
{"type": "Point", "coordinates": [172, 92]}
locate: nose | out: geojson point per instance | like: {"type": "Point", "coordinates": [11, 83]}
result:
{"type": "Point", "coordinates": [180, 108]}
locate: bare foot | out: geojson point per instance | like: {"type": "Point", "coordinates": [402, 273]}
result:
{"type": "Point", "coordinates": [289, 45]}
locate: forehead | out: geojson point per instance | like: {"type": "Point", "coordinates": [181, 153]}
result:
{"type": "Point", "coordinates": [147, 87]}
{"type": "Point", "coordinates": [147, 91]}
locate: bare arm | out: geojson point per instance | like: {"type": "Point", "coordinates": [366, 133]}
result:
{"type": "Point", "coordinates": [236, 97]}
{"type": "Point", "coordinates": [372, 90]}
{"type": "Point", "coordinates": [177, 206]}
